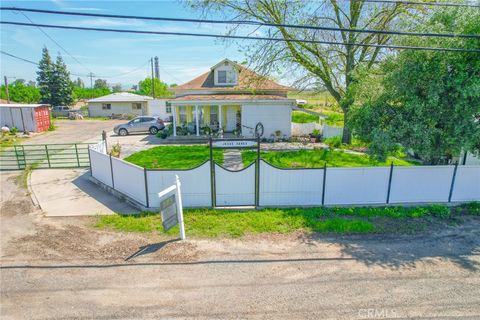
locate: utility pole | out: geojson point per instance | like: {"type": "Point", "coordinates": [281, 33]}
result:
{"type": "Point", "coordinates": [6, 89]}
{"type": "Point", "coordinates": [157, 69]}
{"type": "Point", "coordinates": [91, 75]}
{"type": "Point", "coordinates": [153, 79]}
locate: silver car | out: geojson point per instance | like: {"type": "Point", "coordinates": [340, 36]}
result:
{"type": "Point", "coordinates": [140, 125]}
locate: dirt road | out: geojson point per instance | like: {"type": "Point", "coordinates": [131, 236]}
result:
{"type": "Point", "coordinates": [54, 268]}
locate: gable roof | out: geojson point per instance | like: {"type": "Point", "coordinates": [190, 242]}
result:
{"type": "Point", "coordinates": [247, 80]}
{"type": "Point", "coordinates": [121, 97]}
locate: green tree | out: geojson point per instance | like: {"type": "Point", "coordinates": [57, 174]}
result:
{"type": "Point", "coordinates": [61, 86]}
{"type": "Point", "coordinates": [333, 65]}
{"type": "Point", "coordinates": [100, 84]}
{"type": "Point", "coordinates": [117, 87]}
{"type": "Point", "coordinates": [161, 88]}
{"type": "Point", "coordinates": [90, 93]}
{"type": "Point", "coordinates": [429, 102]}
{"type": "Point", "coordinates": [44, 76]}
{"type": "Point", "coordinates": [19, 92]}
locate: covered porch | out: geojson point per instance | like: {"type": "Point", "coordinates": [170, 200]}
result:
{"type": "Point", "coordinates": [205, 119]}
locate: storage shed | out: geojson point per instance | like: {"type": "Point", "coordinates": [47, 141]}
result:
{"type": "Point", "coordinates": [25, 117]}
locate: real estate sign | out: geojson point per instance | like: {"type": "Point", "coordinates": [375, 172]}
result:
{"type": "Point", "coordinates": [171, 208]}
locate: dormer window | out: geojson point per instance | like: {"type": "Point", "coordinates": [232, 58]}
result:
{"type": "Point", "coordinates": [226, 76]}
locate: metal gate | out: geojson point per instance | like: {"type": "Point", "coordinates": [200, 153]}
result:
{"type": "Point", "coordinates": [63, 155]}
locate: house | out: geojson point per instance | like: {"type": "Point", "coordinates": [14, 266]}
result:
{"type": "Point", "coordinates": [234, 98]}
{"type": "Point", "coordinates": [25, 117]}
{"type": "Point", "coordinates": [128, 103]}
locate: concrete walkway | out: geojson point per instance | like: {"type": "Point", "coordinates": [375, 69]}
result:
{"type": "Point", "coordinates": [232, 159]}
{"type": "Point", "coordinates": [68, 192]}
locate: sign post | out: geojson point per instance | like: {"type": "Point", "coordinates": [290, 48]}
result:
{"type": "Point", "coordinates": [171, 208]}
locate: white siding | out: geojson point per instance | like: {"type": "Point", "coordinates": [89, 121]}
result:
{"type": "Point", "coordinates": [273, 117]}
{"type": "Point", "coordinates": [95, 109]}
{"type": "Point", "coordinates": [100, 166]}
{"type": "Point", "coordinates": [12, 117]}
{"type": "Point", "coordinates": [158, 108]}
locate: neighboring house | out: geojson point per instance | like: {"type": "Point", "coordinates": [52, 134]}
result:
{"type": "Point", "coordinates": [128, 103]}
{"type": "Point", "coordinates": [25, 117]}
{"type": "Point", "coordinates": [234, 98]}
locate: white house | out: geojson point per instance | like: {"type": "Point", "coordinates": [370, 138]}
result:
{"type": "Point", "coordinates": [128, 103]}
{"type": "Point", "coordinates": [234, 98]}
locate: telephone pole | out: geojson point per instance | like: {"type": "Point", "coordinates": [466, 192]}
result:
{"type": "Point", "coordinates": [91, 75]}
{"type": "Point", "coordinates": [6, 89]}
{"type": "Point", "coordinates": [157, 69]}
{"type": "Point", "coordinates": [153, 79]}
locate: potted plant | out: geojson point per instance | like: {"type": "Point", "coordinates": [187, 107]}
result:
{"type": "Point", "coordinates": [314, 135]}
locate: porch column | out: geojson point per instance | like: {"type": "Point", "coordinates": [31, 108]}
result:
{"type": "Point", "coordinates": [174, 113]}
{"type": "Point", "coordinates": [220, 117]}
{"type": "Point", "coordinates": [197, 121]}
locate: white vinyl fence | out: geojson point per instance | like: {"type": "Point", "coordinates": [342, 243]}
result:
{"type": "Point", "coordinates": [268, 186]}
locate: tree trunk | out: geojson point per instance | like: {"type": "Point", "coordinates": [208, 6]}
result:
{"type": "Point", "coordinates": [347, 134]}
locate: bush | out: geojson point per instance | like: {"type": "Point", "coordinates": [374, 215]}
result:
{"type": "Point", "coordinates": [13, 130]}
{"type": "Point", "coordinates": [439, 211]}
{"type": "Point", "coordinates": [472, 208]}
{"type": "Point", "coordinates": [334, 142]}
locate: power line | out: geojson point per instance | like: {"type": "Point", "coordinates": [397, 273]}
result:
{"type": "Point", "coordinates": [210, 35]}
{"type": "Point", "coordinates": [439, 4]}
{"type": "Point", "coordinates": [245, 22]}
{"type": "Point", "coordinates": [58, 44]}
{"type": "Point", "coordinates": [33, 62]}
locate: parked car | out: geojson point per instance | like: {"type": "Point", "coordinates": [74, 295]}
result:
{"type": "Point", "coordinates": [140, 124]}
{"type": "Point", "coordinates": [60, 111]}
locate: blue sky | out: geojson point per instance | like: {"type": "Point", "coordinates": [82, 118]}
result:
{"type": "Point", "coordinates": [110, 54]}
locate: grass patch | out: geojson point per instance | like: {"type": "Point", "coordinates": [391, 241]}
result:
{"type": "Point", "coordinates": [212, 223]}
{"type": "Point", "coordinates": [8, 140]}
{"type": "Point", "coordinates": [174, 157]}
{"type": "Point", "coordinates": [222, 223]}
{"type": "Point", "coordinates": [303, 117]}
{"type": "Point", "coordinates": [334, 119]}
{"type": "Point", "coordinates": [317, 158]}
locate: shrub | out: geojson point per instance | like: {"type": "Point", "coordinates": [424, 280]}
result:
{"type": "Point", "coordinates": [334, 142]}
{"type": "Point", "coordinates": [116, 149]}
{"type": "Point", "coordinates": [439, 211]}
{"type": "Point", "coordinates": [472, 208]}
{"type": "Point", "coordinates": [13, 130]}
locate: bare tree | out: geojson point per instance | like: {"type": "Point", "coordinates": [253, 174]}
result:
{"type": "Point", "coordinates": [334, 65]}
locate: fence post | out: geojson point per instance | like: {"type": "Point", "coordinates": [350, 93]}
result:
{"type": "Point", "coordinates": [90, 161]}
{"type": "Point", "coordinates": [146, 186]}
{"type": "Point", "coordinates": [76, 152]}
{"type": "Point", "coordinates": [453, 182]}
{"type": "Point", "coordinates": [257, 175]}
{"type": "Point", "coordinates": [24, 157]}
{"type": "Point", "coordinates": [324, 182]}
{"type": "Point", "coordinates": [48, 156]}
{"type": "Point", "coordinates": [212, 173]}
{"type": "Point", "coordinates": [104, 138]}
{"type": "Point", "coordinates": [16, 157]}
{"type": "Point", "coordinates": [111, 171]}
{"type": "Point", "coordinates": [389, 183]}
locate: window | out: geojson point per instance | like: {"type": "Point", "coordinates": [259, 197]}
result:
{"type": "Point", "coordinates": [226, 77]}
{"type": "Point", "coordinates": [168, 108]}
{"type": "Point", "coordinates": [213, 115]}
{"type": "Point", "coordinates": [147, 119]}
{"type": "Point", "coordinates": [182, 114]}
{"type": "Point", "coordinates": [106, 106]}
{"type": "Point", "coordinates": [136, 106]}
{"type": "Point", "coordinates": [222, 76]}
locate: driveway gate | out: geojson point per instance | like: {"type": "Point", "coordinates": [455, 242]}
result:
{"type": "Point", "coordinates": [230, 187]}
{"type": "Point", "coordinates": [65, 155]}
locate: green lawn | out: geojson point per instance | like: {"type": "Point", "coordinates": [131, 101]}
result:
{"type": "Point", "coordinates": [318, 158]}
{"type": "Point", "coordinates": [174, 157]}
{"type": "Point", "coordinates": [303, 117]}
{"type": "Point", "coordinates": [224, 223]}
{"type": "Point", "coordinates": [334, 119]}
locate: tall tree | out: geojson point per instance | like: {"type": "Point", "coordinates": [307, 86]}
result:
{"type": "Point", "coordinates": [44, 76]}
{"type": "Point", "coordinates": [161, 88]}
{"type": "Point", "coordinates": [79, 83]}
{"type": "Point", "coordinates": [61, 86]}
{"type": "Point", "coordinates": [100, 84]}
{"type": "Point", "coordinates": [332, 65]}
{"type": "Point", "coordinates": [429, 102]}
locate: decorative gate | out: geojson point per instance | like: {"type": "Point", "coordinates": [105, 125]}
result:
{"type": "Point", "coordinates": [230, 187]}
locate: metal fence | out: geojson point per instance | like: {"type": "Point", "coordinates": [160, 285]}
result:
{"type": "Point", "coordinates": [44, 156]}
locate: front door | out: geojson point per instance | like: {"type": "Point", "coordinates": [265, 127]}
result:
{"type": "Point", "coordinates": [231, 119]}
